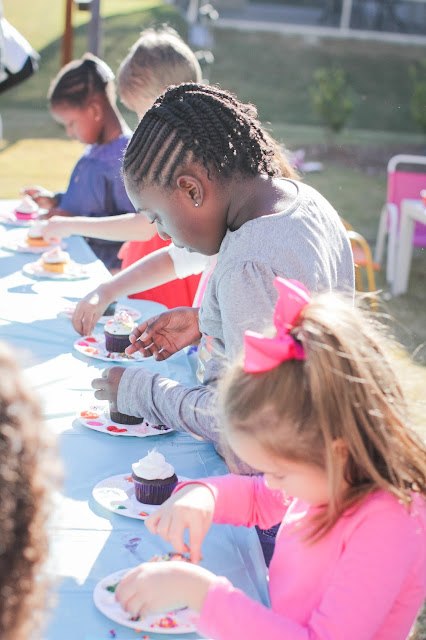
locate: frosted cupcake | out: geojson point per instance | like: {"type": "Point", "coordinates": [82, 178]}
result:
{"type": "Point", "coordinates": [117, 332]}
{"type": "Point", "coordinates": [55, 260]}
{"type": "Point", "coordinates": [153, 479]}
{"type": "Point", "coordinates": [27, 209]}
{"type": "Point", "coordinates": [35, 235]}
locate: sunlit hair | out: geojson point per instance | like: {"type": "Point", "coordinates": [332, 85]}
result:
{"type": "Point", "coordinates": [158, 59]}
{"type": "Point", "coordinates": [26, 475]}
{"type": "Point", "coordinates": [203, 124]}
{"type": "Point", "coordinates": [80, 81]}
{"type": "Point", "coordinates": [345, 389]}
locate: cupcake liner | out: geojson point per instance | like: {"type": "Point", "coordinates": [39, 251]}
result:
{"type": "Point", "coordinates": [154, 493]}
{"type": "Point", "coordinates": [123, 418]}
{"type": "Point", "coordinates": [117, 344]}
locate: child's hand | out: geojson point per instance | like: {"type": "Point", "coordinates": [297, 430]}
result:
{"type": "Point", "coordinates": [57, 227]}
{"type": "Point", "coordinates": [162, 586]}
{"type": "Point", "coordinates": [89, 310]}
{"type": "Point", "coordinates": [108, 385]}
{"type": "Point", "coordinates": [164, 335]}
{"type": "Point", "coordinates": [191, 508]}
{"type": "Point", "coordinates": [44, 198]}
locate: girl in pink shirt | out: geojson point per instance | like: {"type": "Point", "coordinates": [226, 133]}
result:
{"type": "Point", "coordinates": [318, 411]}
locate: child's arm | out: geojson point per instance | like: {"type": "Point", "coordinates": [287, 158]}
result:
{"type": "Point", "coordinates": [151, 271]}
{"type": "Point", "coordinates": [127, 226]}
{"type": "Point", "coordinates": [195, 504]}
{"type": "Point", "coordinates": [43, 197]}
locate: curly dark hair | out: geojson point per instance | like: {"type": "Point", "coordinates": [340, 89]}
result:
{"type": "Point", "coordinates": [195, 122]}
{"type": "Point", "coordinates": [27, 469]}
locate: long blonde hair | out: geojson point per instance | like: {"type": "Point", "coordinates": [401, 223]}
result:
{"type": "Point", "coordinates": [345, 389]}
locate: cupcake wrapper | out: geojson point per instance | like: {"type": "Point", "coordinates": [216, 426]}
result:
{"type": "Point", "coordinates": [123, 418]}
{"type": "Point", "coordinates": [153, 494]}
{"type": "Point", "coordinates": [117, 344]}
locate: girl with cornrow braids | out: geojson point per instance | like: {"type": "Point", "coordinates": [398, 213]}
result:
{"type": "Point", "coordinates": [202, 169]}
{"type": "Point", "coordinates": [82, 99]}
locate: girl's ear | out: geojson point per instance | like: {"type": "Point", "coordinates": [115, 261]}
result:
{"type": "Point", "coordinates": [192, 188]}
{"type": "Point", "coordinates": [95, 110]}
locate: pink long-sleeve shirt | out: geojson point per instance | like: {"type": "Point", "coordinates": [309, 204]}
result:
{"type": "Point", "coordinates": [364, 580]}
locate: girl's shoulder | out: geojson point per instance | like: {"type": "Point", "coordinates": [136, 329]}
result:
{"type": "Point", "coordinates": [383, 509]}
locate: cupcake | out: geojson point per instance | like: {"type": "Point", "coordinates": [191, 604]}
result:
{"type": "Point", "coordinates": [27, 209]}
{"type": "Point", "coordinates": [35, 235]}
{"type": "Point", "coordinates": [117, 332]}
{"type": "Point", "coordinates": [153, 478]}
{"type": "Point", "coordinates": [123, 418]}
{"type": "Point", "coordinates": [55, 260]}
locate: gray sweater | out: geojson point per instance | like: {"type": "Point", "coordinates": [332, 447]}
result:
{"type": "Point", "coordinates": [306, 242]}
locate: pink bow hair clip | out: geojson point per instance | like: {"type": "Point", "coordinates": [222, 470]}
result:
{"type": "Point", "coordinates": [262, 353]}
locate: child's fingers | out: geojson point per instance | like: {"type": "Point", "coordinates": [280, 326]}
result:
{"type": "Point", "coordinates": [196, 537]}
{"type": "Point", "coordinates": [176, 533]}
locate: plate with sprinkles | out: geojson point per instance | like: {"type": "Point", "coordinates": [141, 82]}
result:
{"type": "Point", "coordinates": [94, 347]}
{"type": "Point", "coordinates": [99, 419]}
{"type": "Point", "coordinates": [117, 494]}
{"type": "Point", "coordinates": [171, 622]}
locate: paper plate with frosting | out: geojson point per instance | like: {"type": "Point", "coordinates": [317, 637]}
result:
{"type": "Point", "coordinates": [32, 241]}
{"type": "Point", "coordinates": [171, 622]}
{"type": "Point", "coordinates": [117, 494]}
{"type": "Point", "coordinates": [24, 213]}
{"type": "Point", "coordinates": [98, 418]}
{"type": "Point", "coordinates": [56, 264]}
{"type": "Point", "coordinates": [94, 347]}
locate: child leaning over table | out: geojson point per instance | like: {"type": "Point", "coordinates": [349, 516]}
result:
{"type": "Point", "coordinates": [82, 99]}
{"type": "Point", "coordinates": [27, 471]}
{"type": "Point", "coordinates": [322, 416]}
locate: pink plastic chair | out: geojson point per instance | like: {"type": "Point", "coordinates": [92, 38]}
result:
{"type": "Point", "coordinates": [401, 185]}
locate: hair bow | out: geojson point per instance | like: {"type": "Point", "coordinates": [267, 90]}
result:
{"type": "Point", "coordinates": [262, 353]}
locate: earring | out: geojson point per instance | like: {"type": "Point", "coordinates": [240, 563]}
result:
{"type": "Point", "coordinates": [196, 204]}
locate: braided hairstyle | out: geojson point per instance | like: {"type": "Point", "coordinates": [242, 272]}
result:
{"type": "Point", "coordinates": [79, 80]}
{"type": "Point", "coordinates": [199, 123]}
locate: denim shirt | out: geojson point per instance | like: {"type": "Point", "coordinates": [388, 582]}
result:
{"type": "Point", "coordinates": [96, 189]}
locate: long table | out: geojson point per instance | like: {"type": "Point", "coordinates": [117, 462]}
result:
{"type": "Point", "coordinates": [87, 541]}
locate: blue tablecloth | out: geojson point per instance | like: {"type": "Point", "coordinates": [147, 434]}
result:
{"type": "Point", "coordinates": [89, 542]}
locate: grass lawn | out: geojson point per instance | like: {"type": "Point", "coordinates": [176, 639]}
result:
{"type": "Point", "coordinates": [275, 73]}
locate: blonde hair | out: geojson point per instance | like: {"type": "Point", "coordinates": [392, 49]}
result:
{"type": "Point", "coordinates": [345, 389]}
{"type": "Point", "coordinates": [158, 59]}
{"type": "Point", "coordinates": [27, 469]}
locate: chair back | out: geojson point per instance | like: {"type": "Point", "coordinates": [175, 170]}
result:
{"type": "Point", "coordinates": [407, 185]}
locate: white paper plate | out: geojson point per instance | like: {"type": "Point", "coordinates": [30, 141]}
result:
{"type": "Point", "coordinates": [20, 245]}
{"type": "Point", "coordinates": [104, 599]}
{"type": "Point", "coordinates": [69, 310]}
{"type": "Point", "coordinates": [117, 494]}
{"type": "Point", "coordinates": [101, 421]}
{"type": "Point", "coordinates": [74, 271]}
{"type": "Point", "coordinates": [94, 347]}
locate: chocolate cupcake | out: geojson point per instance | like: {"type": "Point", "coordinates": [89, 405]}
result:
{"type": "Point", "coordinates": [153, 479]}
{"type": "Point", "coordinates": [117, 332]}
{"type": "Point", "coordinates": [123, 418]}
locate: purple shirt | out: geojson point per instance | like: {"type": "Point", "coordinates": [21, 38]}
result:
{"type": "Point", "coordinates": [96, 189]}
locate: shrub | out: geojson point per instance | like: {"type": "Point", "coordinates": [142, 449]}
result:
{"type": "Point", "coordinates": [331, 98]}
{"type": "Point", "coordinates": [418, 98]}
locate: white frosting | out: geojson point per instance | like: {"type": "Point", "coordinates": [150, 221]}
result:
{"type": "Point", "coordinates": [35, 231]}
{"type": "Point", "coordinates": [153, 467]}
{"type": "Point", "coordinates": [27, 205]}
{"type": "Point", "coordinates": [121, 324]}
{"type": "Point", "coordinates": [55, 256]}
